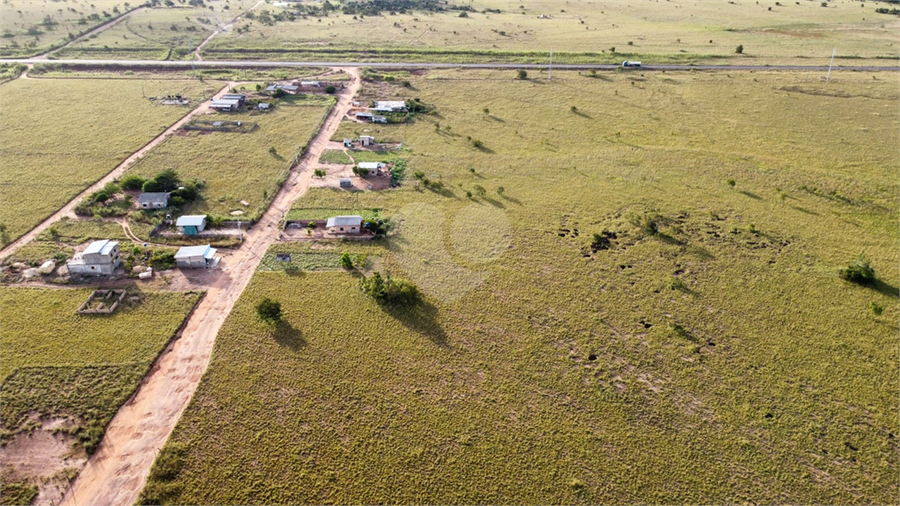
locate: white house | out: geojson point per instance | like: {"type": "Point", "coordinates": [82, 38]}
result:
{"type": "Point", "coordinates": [344, 224]}
{"type": "Point", "coordinates": [366, 140]}
{"type": "Point", "coordinates": [100, 258]}
{"type": "Point", "coordinates": [191, 224]}
{"type": "Point", "coordinates": [389, 106]}
{"type": "Point", "coordinates": [193, 257]}
{"type": "Point", "coordinates": [153, 200]}
{"type": "Point", "coordinates": [371, 166]}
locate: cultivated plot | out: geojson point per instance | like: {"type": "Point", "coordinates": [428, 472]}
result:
{"type": "Point", "coordinates": [60, 136]}
{"type": "Point", "coordinates": [662, 322]}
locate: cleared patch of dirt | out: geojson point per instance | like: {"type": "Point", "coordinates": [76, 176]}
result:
{"type": "Point", "coordinates": [43, 458]}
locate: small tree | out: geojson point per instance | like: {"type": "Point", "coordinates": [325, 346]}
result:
{"type": "Point", "coordinates": [522, 74]}
{"type": "Point", "coordinates": [269, 310]}
{"type": "Point", "coordinates": [739, 49]}
{"type": "Point", "coordinates": [500, 190]}
{"type": "Point", "coordinates": [346, 261]}
{"type": "Point", "coordinates": [132, 183]}
{"type": "Point", "coordinates": [860, 271]}
{"type": "Point", "coordinates": [731, 183]}
{"type": "Point", "coordinates": [330, 89]}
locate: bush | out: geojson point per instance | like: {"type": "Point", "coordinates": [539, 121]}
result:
{"type": "Point", "coordinates": [522, 74]}
{"type": "Point", "coordinates": [860, 271]}
{"type": "Point", "coordinates": [389, 290]}
{"type": "Point", "coordinates": [269, 310]}
{"type": "Point", "coordinates": [101, 196]}
{"type": "Point", "coordinates": [346, 261]}
{"type": "Point", "coordinates": [731, 183]}
{"type": "Point", "coordinates": [739, 49]}
{"type": "Point", "coordinates": [161, 260]}
{"type": "Point", "coordinates": [330, 89]}
{"type": "Point", "coordinates": [877, 309]}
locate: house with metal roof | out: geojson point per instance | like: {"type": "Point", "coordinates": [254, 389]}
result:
{"type": "Point", "coordinates": [225, 105]}
{"type": "Point", "coordinates": [153, 200]}
{"type": "Point", "coordinates": [389, 106]}
{"type": "Point", "coordinates": [372, 166]}
{"type": "Point", "coordinates": [194, 257]}
{"type": "Point", "coordinates": [240, 97]}
{"type": "Point", "coordinates": [191, 224]}
{"type": "Point", "coordinates": [344, 224]}
{"type": "Point", "coordinates": [100, 258]}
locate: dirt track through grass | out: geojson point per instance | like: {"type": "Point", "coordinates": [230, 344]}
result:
{"type": "Point", "coordinates": [116, 473]}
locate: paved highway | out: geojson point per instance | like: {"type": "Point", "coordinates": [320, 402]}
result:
{"type": "Point", "coordinates": [411, 65]}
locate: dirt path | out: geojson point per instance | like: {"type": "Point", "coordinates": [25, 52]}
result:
{"type": "Point", "coordinates": [116, 473]}
{"type": "Point", "coordinates": [69, 209]}
{"type": "Point", "coordinates": [223, 28]}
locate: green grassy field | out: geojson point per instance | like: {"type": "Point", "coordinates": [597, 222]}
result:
{"type": "Point", "coordinates": [239, 166]}
{"type": "Point", "coordinates": [57, 363]}
{"type": "Point", "coordinates": [578, 32]}
{"type": "Point", "coordinates": [30, 27]}
{"type": "Point", "coordinates": [713, 357]}
{"type": "Point", "coordinates": [53, 155]}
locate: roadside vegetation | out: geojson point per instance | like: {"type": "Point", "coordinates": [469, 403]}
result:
{"type": "Point", "coordinates": [602, 317]}
{"type": "Point", "coordinates": [45, 162]}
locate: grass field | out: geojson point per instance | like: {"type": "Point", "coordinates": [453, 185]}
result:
{"type": "Point", "coordinates": [59, 364]}
{"type": "Point", "coordinates": [30, 27]}
{"type": "Point", "coordinates": [48, 159]}
{"type": "Point", "coordinates": [237, 166]}
{"type": "Point", "coordinates": [713, 357]}
{"type": "Point", "coordinates": [582, 32]}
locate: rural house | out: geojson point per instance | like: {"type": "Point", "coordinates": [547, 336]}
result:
{"type": "Point", "coordinates": [191, 224]}
{"type": "Point", "coordinates": [366, 140]}
{"type": "Point", "coordinates": [364, 116]}
{"type": "Point", "coordinates": [371, 167]}
{"type": "Point", "coordinates": [344, 224]}
{"type": "Point", "coordinates": [195, 257]}
{"type": "Point", "coordinates": [153, 200]}
{"type": "Point", "coordinates": [100, 257]}
{"type": "Point", "coordinates": [389, 106]}
{"type": "Point", "coordinates": [241, 98]}
{"type": "Point", "coordinates": [225, 105]}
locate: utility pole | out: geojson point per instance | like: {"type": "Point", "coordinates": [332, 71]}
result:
{"type": "Point", "coordinates": [833, 52]}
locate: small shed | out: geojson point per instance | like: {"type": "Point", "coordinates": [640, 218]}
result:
{"type": "Point", "coordinates": [348, 143]}
{"type": "Point", "coordinates": [364, 116]}
{"type": "Point", "coordinates": [191, 224]}
{"type": "Point", "coordinates": [272, 87]}
{"type": "Point", "coordinates": [379, 119]}
{"type": "Point", "coordinates": [344, 224]}
{"type": "Point", "coordinates": [371, 166]}
{"type": "Point", "coordinates": [262, 106]}
{"type": "Point", "coordinates": [346, 183]}
{"type": "Point", "coordinates": [390, 106]}
{"type": "Point", "coordinates": [290, 88]}
{"type": "Point", "coordinates": [309, 84]}
{"type": "Point", "coordinates": [194, 257]}
{"type": "Point", "coordinates": [366, 140]}
{"type": "Point", "coordinates": [153, 200]}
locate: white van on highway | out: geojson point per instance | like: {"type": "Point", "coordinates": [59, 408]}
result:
{"type": "Point", "coordinates": [627, 64]}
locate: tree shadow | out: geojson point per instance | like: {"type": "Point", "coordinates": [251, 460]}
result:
{"type": "Point", "coordinates": [287, 336]}
{"type": "Point", "coordinates": [885, 288]}
{"type": "Point", "coordinates": [751, 195]}
{"type": "Point", "coordinates": [583, 115]}
{"type": "Point", "coordinates": [668, 239]}
{"type": "Point", "coordinates": [420, 317]}
{"type": "Point", "coordinates": [493, 202]}
{"type": "Point", "coordinates": [495, 118]}
{"type": "Point", "coordinates": [804, 210]}
{"type": "Point", "coordinates": [484, 149]}
{"type": "Point", "coordinates": [511, 199]}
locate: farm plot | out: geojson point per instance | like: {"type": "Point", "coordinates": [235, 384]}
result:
{"type": "Point", "coordinates": [632, 300]}
{"type": "Point", "coordinates": [64, 375]}
{"type": "Point", "coordinates": [240, 167]}
{"type": "Point", "coordinates": [504, 30]}
{"type": "Point", "coordinates": [60, 136]}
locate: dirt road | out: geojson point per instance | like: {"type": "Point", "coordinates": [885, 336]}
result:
{"type": "Point", "coordinates": [116, 473]}
{"type": "Point", "coordinates": [224, 28]}
{"type": "Point", "coordinates": [69, 209]}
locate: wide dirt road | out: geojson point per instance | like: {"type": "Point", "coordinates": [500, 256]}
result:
{"type": "Point", "coordinates": [117, 472]}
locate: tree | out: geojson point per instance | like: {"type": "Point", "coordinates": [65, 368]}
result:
{"type": "Point", "coordinates": [386, 289]}
{"type": "Point", "coordinates": [739, 49]}
{"type": "Point", "coordinates": [860, 271]}
{"type": "Point", "coordinates": [346, 261]}
{"type": "Point", "coordinates": [132, 182]}
{"type": "Point", "coordinates": [269, 310]}
{"type": "Point", "coordinates": [330, 89]}
{"type": "Point", "coordinates": [522, 74]}
{"type": "Point", "coordinates": [731, 183]}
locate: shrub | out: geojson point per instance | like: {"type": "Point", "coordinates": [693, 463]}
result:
{"type": "Point", "coordinates": [101, 196]}
{"type": "Point", "coordinates": [161, 260]}
{"type": "Point", "coordinates": [346, 261]}
{"type": "Point", "coordinates": [389, 290]}
{"type": "Point", "coordinates": [731, 183]}
{"type": "Point", "coordinates": [877, 309]}
{"type": "Point", "coordinates": [739, 49]}
{"type": "Point", "coordinates": [319, 172]}
{"type": "Point", "coordinates": [522, 74]}
{"type": "Point", "coordinates": [330, 89]}
{"type": "Point", "coordinates": [860, 271]}
{"type": "Point", "coordinates": [269, 310]}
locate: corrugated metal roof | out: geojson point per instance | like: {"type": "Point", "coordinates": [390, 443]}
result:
{"type": "Point", "coordinates": [153, 197]}
{"type": "Point", "coordinates": [193, 251]}
{"type": "Point", "coordinates": [190, 220]}
{"type": "Point", "coordinates": [370, 165]}
{"type": "Point", "coordinates": [344, 221]}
